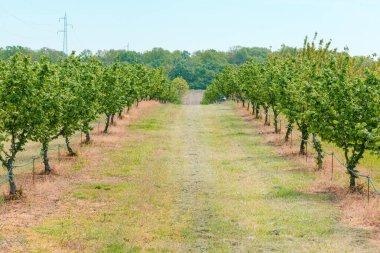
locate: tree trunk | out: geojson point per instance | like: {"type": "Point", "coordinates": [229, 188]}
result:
{"type": "Point", "coordinates": [305, 137]}
{"type": "Point", "coordinates": [288, 131]}
{"type": "Point", "coordinates": [120, 116]}
{"type": "Point", "coordinates": [248, 106]}
{"type": "Point", "coordinates": [69, 149]}
{"type": "Point", "coordinates": [11, 179]}
{"type": "Point", "coordinates": [318, 148]}
{"type": "Point", "coordinates": [129, 108]}
{"type": "Point", "coordinates": [45, 149]}
{"type": "Point", "coordinates": [253, 108]}
{"type": "Point", "coordinates": [243, 103]}
{"type": "Point", "coordinates": [137, 103]}
{"type": "Point", "coordinates": [257, 112]}
{"type": "Point", "coordinates": [352, 181]}
{"type": "Point", "coordinates": [88, 137]}
{"type": "Point", "coordinates": [276, 113]}
{"type": "Point", "coordinates": [352, 162]}
{"type": "Point", "coordinates": [107, 123]}
{"type": "Point", "coordinates": [112, 119]}
{"type": "Point", "coordinates": [86, 129]}
{"type": "Point", "coordinates": [266, 122]}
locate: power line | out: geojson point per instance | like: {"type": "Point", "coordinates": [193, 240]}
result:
{"type": "Point", "coordinates": [64, 31]}
{"type": "Point", "coordinates": [29, 23]}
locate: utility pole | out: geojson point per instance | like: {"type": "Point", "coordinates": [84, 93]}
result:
{"type": "Point", "coordinates": [64, 31]}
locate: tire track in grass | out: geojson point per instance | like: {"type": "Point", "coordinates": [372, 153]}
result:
{"type": "Point", "coordinates": [197, 204]}
{"type": "Point", "coordinates": [197, 182]}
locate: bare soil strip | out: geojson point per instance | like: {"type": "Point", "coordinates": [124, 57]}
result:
{"type": "Point", "coordinates": [193, 97]}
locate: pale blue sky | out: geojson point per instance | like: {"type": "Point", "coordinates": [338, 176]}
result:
{"type": "Point", "coordinates": [190, 24]}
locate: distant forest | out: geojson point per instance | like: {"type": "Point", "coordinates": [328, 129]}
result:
{"type": "Point", "coordinates": [198, 68]}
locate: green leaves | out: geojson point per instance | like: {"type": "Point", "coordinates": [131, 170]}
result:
{"type": "Point", "coordinates": [17, 99]}
{"type": "Point", "coordinates": [180, 87]}
{"type": "Point", "coordinates": [41, 100]}
{"type": "Point", "coordinates": [322, 90]}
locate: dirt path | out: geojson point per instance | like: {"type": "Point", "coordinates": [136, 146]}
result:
{"type": "Point", "coordinates": [197, 180]}
{"type": "Point", "coordinates": [193, 97]}
{"type": "Point", "coordinates": [193, 178]}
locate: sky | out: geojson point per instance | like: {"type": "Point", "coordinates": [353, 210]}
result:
{"type": "Point", "coordinates": [190, 24]}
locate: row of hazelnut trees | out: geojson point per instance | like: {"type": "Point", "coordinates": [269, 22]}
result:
{"type": "Point", "coordinates": [41, 101]}
{"type": "Point", "coordinates": [320, 91]}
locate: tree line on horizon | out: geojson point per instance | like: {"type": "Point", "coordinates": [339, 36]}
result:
{"type": "Point", "coordinates": [198, 68]}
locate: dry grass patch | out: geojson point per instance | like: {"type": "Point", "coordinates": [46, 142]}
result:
{"type": "Point", "coordinates": [47, 196]}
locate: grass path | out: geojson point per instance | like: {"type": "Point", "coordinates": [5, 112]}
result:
{"type": "Point", "coordinates": [194, 178]}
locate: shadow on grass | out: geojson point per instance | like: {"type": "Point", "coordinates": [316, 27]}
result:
{"type": "Point", "coordinates": [287, 193]}
{"type": "Point", "coordinates": [147, 124]}
{"type": "Point", "coordinates": [236, 133]}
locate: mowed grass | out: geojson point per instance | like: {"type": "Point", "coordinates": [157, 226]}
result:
{"type": "Point", "coordinates": [126, 205]}
{"type": "Point", "coordinates": [264, 194]}
{"type": "Point", "coordinates": [195, 179]}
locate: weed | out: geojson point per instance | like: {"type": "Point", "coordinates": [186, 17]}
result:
{"type": "Point", "coordinates": [281, 192]}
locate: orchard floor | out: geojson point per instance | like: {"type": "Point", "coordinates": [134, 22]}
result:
{"type": "Point", "coordinates": [188, 178]}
